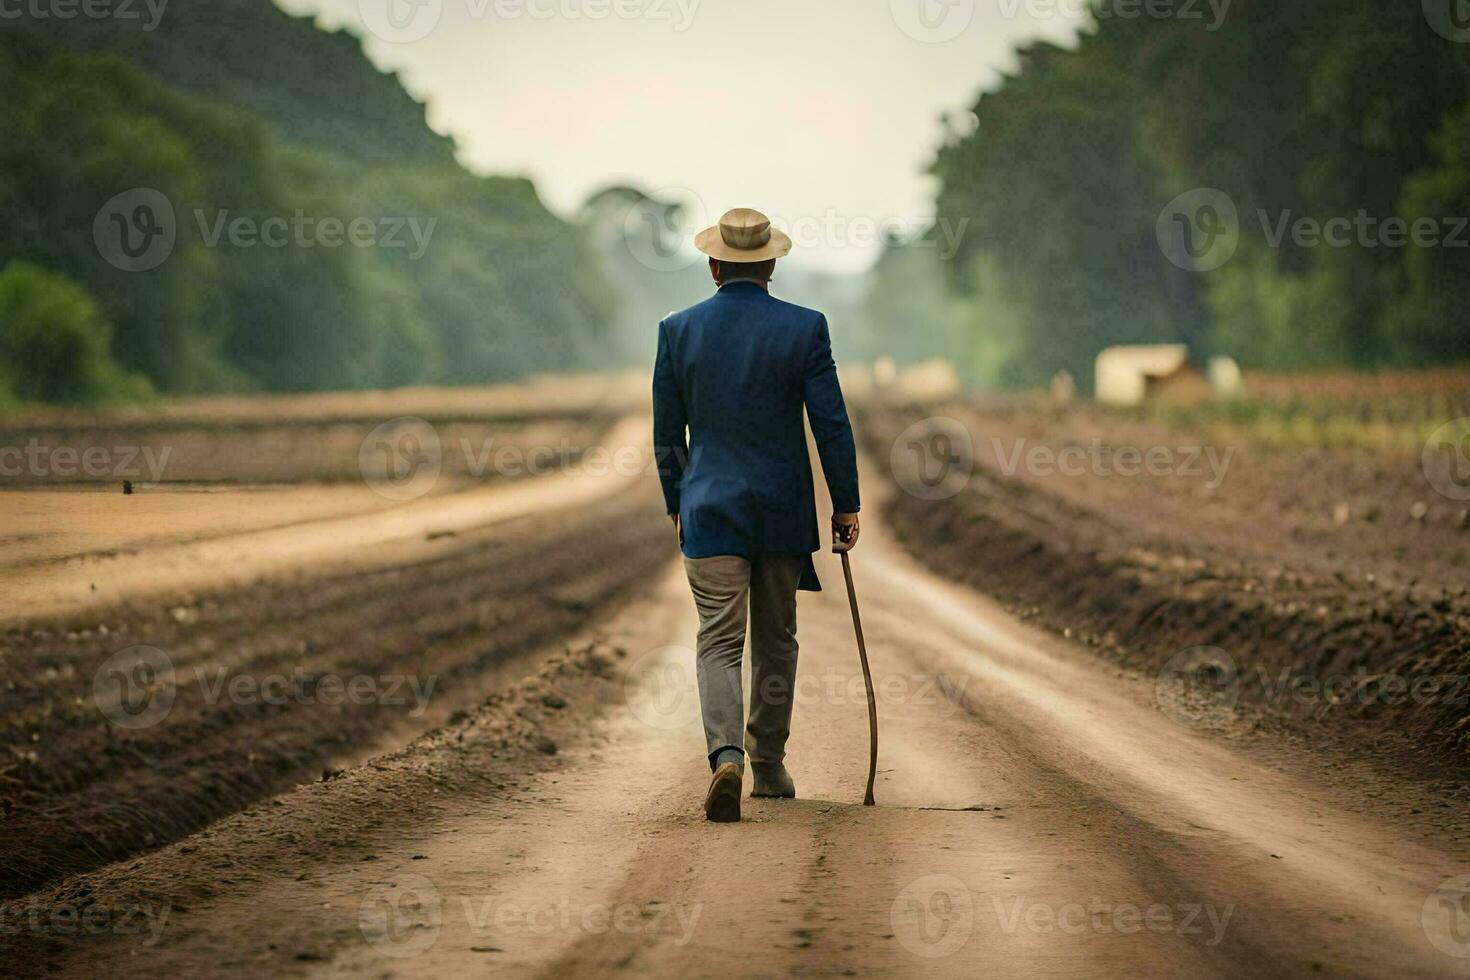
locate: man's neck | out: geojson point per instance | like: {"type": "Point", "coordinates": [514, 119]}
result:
{"type": "Point", "coordinates": [762, 283]}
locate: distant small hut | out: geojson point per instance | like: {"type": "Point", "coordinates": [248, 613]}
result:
{"type": "Point", "coordinates": [1134, 374]}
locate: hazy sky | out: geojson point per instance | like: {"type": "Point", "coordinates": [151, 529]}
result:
{"type": "Point", "coordinates": [823, 113]}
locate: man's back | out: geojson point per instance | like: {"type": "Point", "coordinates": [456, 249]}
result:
{"type": "Point", "coordinates": [737, 369]}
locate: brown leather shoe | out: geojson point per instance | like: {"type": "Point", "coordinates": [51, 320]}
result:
{"type": "Point", "coordinates": [722, 802]}
{"type": "Point", "coordinates": [773, 781]}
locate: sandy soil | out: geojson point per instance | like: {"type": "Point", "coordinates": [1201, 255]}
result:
{"type": "Point", "coordinates": [82, 550]}
{"type": "Point", "coordinates": [50, 527]}
{"type": "Point", "coordinates": [274, 451]}
{"type": "Point", "coordinates": [542, 396]}
{"type": "Point", "coordinates": [1042, 810]}
{"type": "Point", "coordinates": [1038, 815]}
{"type": "Point", "coordinates": [1358, 633]}
{"type": "Point", "coordinates": [423, 604]}
{"type": "Point", "coordinates": [250, 690]}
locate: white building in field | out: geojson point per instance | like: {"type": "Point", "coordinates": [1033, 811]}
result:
{"type": "Point", "coordinates": [1124, 373]}
{"type": "Point", "coordinates": [1134, 373]}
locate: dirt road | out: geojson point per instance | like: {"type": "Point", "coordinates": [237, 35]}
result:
{"type": "Point", "coordinates": [1039, 814]}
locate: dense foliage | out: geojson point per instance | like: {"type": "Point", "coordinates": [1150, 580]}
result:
{"type": "Point", "coordinates": [1316, 109]}
{"type": "Point", "coordinates": [56, 347]}
{"type": "Point", "coordinates": [266, 165]}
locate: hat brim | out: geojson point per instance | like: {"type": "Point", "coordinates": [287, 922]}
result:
{"type": "Point", "coordinates": [711, 243]}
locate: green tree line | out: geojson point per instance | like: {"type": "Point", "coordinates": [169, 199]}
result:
{"type": "Point", "coordinates": [499, 286]}
{"type": "Point", "coordinates": [1315, 109]}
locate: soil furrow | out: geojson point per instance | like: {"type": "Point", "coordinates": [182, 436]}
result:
{"type": "Point", "coordinates": [79, 792]}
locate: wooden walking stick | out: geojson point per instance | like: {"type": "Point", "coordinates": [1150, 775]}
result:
{"type": "Point", "coordinates": [857, 625]}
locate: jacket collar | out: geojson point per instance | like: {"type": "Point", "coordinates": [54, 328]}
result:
{"type": "Point", "coordinates": [743, 287]}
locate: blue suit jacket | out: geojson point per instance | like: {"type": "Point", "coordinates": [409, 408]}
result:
{"type": "Point", "coordinates": [736, 371]}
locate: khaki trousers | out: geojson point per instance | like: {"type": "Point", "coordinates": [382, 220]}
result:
{"type": "Point", "coordinates": [724, 587]}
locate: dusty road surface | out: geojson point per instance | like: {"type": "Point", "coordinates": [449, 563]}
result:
{"type": "Point", "coordinates": [516, 791]}
{"type": "Point", "coordinates": [1038, 814]}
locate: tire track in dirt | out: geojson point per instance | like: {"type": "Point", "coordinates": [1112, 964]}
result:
{"type": "Point", "coordinates": [821, 886]}
{"type": "Point", "coordinates": [79, 792]}
{"type": "Point", "coordinates": [1389, 664]}
{"type": "Point", "coordinates": [1036, 816]}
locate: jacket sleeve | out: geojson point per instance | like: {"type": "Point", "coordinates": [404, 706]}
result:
{"type": "Point", "coordinates": [670, 446]}
{"type": "Point", "coordinates": [828, 415]}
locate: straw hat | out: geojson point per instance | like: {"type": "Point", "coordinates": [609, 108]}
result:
{"type": "Point", "coordinates": [743, 235]}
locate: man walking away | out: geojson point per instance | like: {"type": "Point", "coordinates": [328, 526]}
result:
{"type": "Point", "coordinates": [735, 371]}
